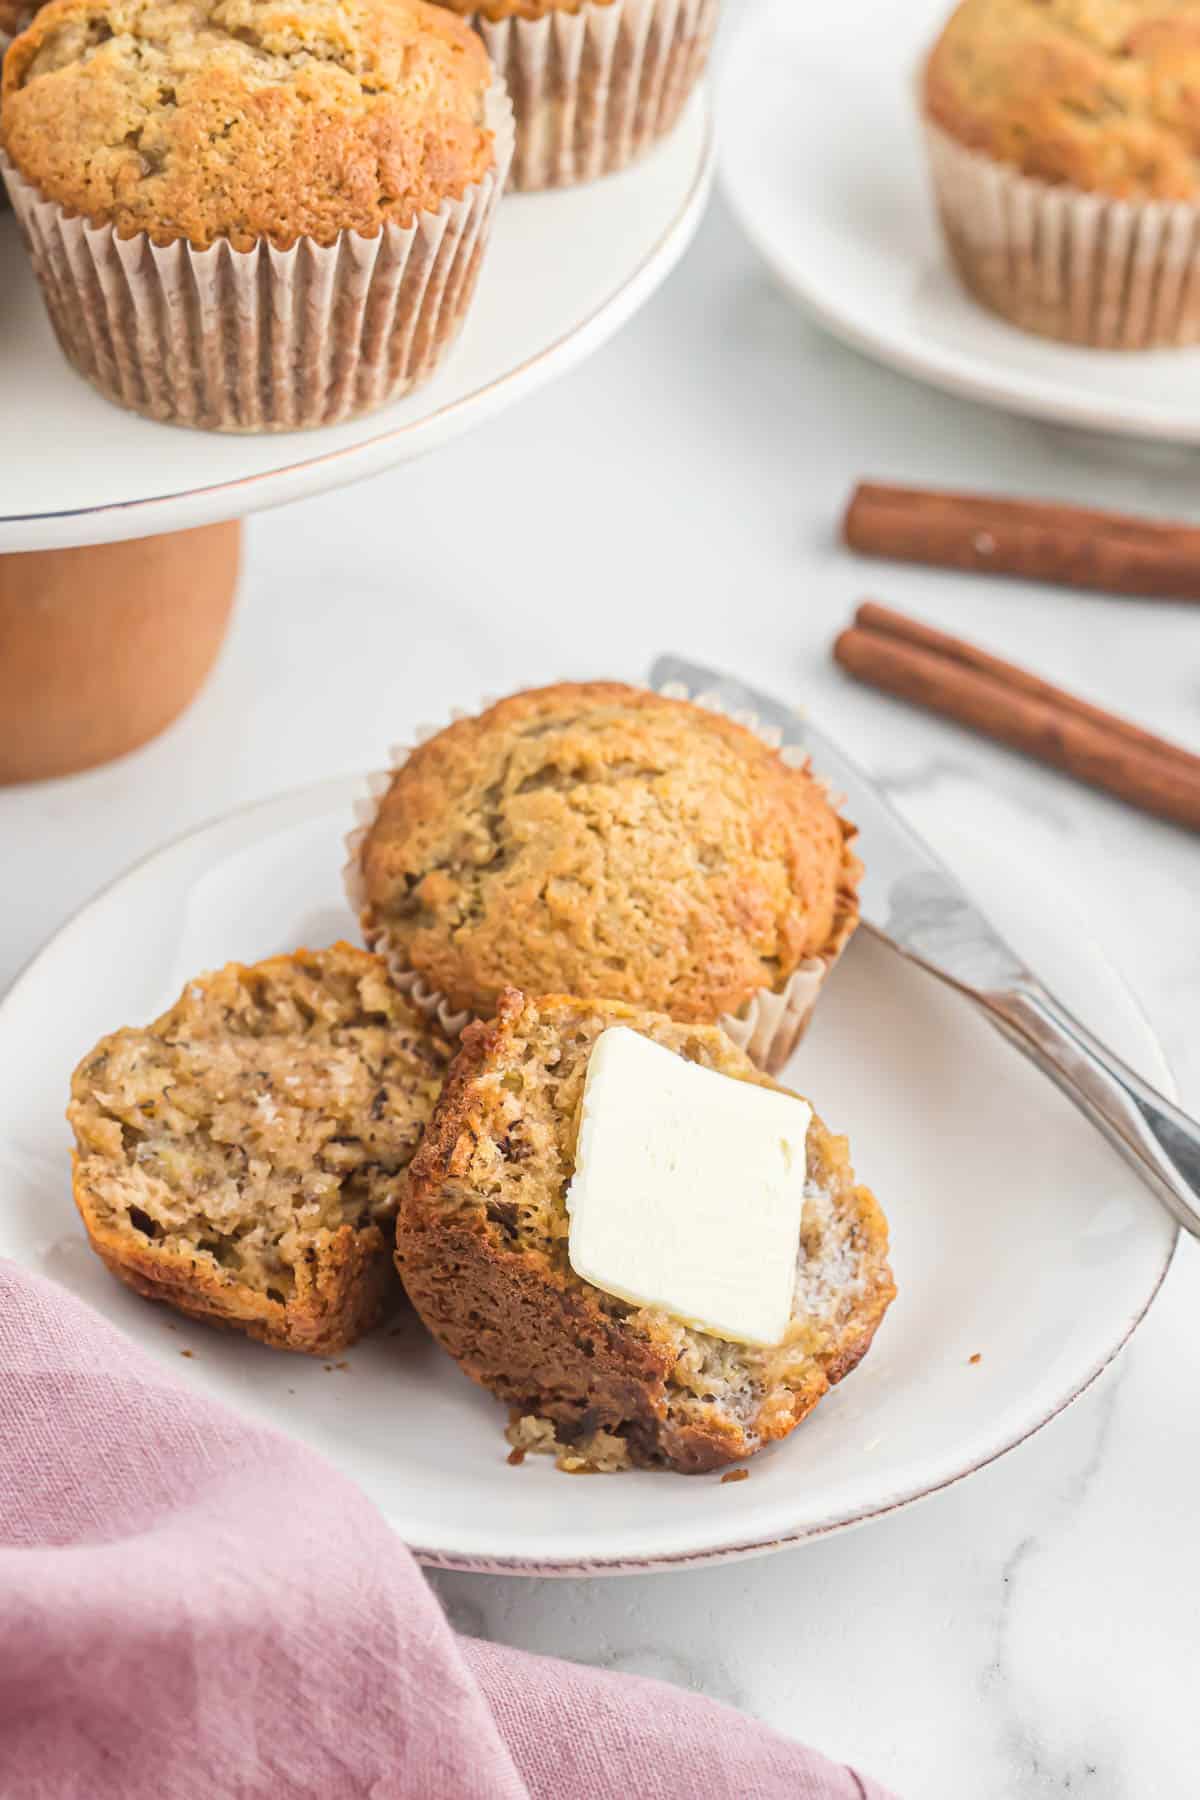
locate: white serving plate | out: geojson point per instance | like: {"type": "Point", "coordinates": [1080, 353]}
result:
{"type": "Point", "coordinates": [821, 161]}
{"type": "Point", "coordinates": [1017, 1233]}
{"type": "Point", "coordinates": [563, 272]}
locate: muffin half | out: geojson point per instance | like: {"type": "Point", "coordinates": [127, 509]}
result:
{"type": "Point", "coordinates": [482, 1246]}
{"type": "Point", "coordinates": [241, 1157]}
{"type": "Point", "coordinates": [604, 841]}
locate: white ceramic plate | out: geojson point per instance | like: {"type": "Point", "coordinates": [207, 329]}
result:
{"type": "Point", "coordinates": [1017, 1233]}
{"type": "Point", "coordinates": [563, 272]}
{"type": "Point", "coordinates": [821, 160]}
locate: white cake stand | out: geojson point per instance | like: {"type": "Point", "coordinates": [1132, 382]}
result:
{"type": "Point", "coordinates": [564, 271]}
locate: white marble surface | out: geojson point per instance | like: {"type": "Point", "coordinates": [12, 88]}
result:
{"type": "Point", "coordinates": [1035, 1630]}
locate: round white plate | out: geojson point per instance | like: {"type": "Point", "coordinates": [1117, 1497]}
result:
{"type": "Point", "coordinates": [1017, 1233]}
{"type": "Point", "coordinates": [821, 160]}
{"type": "Point", "coordinates": [563, 272]}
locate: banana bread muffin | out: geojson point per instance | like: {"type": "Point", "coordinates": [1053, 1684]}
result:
{"type": "Point", "coordinates": [482, 1245]}
{"type": "Point", "coordinates": [594, 83]}
{"type": "Point", "coordinates": [268, 132]}
{"type": "Point", "coordinates": [241, 1157]}
{"type": "Point", "coordinates": [602, 840]}
{"type": "Point", "coordinates": [1060, 133]}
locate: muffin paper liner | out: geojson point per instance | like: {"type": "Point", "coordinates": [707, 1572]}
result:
{"type": "Point", "coordinates": [768, 1027]}
{"type": "Point", "coordinates": [772, 1022]}
{"type": "Point", "coordinates": [592, 90]}
{"type": "Point", "coordinates": [1083, 268]}
{"type": "Point", "coordinates": [262, 339]}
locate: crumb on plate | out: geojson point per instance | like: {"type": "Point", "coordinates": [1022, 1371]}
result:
{"type": "Point", "coordinates": [600, 1453]}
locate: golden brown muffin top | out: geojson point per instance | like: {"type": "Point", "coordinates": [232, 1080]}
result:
{"type": "Point", "coordinates": [602, 840]}
{"type": "Point", "coordinates": [247, 119]}
{"type": "Point", "coordinates": [516, 9]}
{"type": "Point", "coordinates": [1101, 94]}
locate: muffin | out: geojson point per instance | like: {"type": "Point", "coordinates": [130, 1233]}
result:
{"type": "Point", "coordinates": [1063, 140]}
{"type": "Point", "coordinates": [249, 215]}
{"type": "Point", "coordinates": [594, 83]}
{"type": "Point", "coordinates": [241, 1158]}
{"type": "Point", "coordinates": [603, 840]}
{"type": "Point", "coordinates": [482, 1246]}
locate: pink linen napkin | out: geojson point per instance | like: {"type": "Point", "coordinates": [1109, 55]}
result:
{"type": "Point", "coordinates": [192, 1605]}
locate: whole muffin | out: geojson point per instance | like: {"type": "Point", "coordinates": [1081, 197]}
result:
{"type": "Point", "coordinates": [315, 178]}
{"type": "Point", "coordinates": [594, 83]}
{"type": "Point", "coordinates": [605, 841]}
{"type": "Point", "coordinates": [1061, 134]}
{"type": "Point", "coordinates": [482, 1247]}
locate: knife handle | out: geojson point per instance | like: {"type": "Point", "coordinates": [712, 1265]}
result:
{"type": "Point", "coordinates": [1156, 1138]}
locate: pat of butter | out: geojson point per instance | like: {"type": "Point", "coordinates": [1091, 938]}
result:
{"type": "Point", "coordinates": [688, 1190]}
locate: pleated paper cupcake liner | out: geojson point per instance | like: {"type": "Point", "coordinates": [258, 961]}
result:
{"type": "Point", "coordinates": [262, 339]}
{"type": "Point", "coordinates": [593, 90]}
{"type": "Point", "coordinates": [768, 1027]}
{"type": "Point", "coordinates": [1079, 267]}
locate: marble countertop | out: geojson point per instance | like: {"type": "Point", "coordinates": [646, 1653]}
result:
{"type": "Point", "coordinates": [1034, 1630]}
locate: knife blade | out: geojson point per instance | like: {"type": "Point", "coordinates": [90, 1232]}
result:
{"type": "Point", "coordinates": [907, 894]}
{"type": "Point", "coordinates": [912, 901]}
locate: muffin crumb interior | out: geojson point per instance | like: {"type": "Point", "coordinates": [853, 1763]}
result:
{"type": "Point", "coordinates": [268, 1109]}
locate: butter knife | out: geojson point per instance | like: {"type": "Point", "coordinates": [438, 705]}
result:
{"type": "Point", "coordinates": [914, 903]}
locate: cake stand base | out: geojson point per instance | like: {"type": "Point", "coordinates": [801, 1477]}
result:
{"type": "Point", "coordinates": [102, 646]}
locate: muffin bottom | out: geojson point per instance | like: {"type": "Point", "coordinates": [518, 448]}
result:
{"type": "Point", "coordinates": [1081, 268]}
{"type": "Point", "coordinates": [594, 90]}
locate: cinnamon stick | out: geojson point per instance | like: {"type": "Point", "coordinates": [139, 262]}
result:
{"type": "Point", "coordinates": [1038, 540]}
{"type": "Point", "coordinates": [946, 675]}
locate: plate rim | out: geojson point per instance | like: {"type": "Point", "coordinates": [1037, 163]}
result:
{"type": "Point", "coordinates": [950, 371]}
{"type": "Point", "coordinates": [312, 799]}
{"type": "Point", "coordinates": [320, 472]}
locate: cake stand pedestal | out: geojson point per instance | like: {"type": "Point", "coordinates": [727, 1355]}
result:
{"type": "Point", "coordinates": [112, 637]}
{"type": "Point", "coordinates": [101, 647]}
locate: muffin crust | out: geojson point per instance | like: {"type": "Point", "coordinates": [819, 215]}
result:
{"type": "Point", "coordinates": [1102, 95]}
{"type": "Point", "coordinates": [599, 839]}
{"type": "Point", "coordinates": [247, 119]}
{"type": "Point", "coordinates": [240, 1158]}
{"type": "Point", "coordinates": [482, 1248]}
